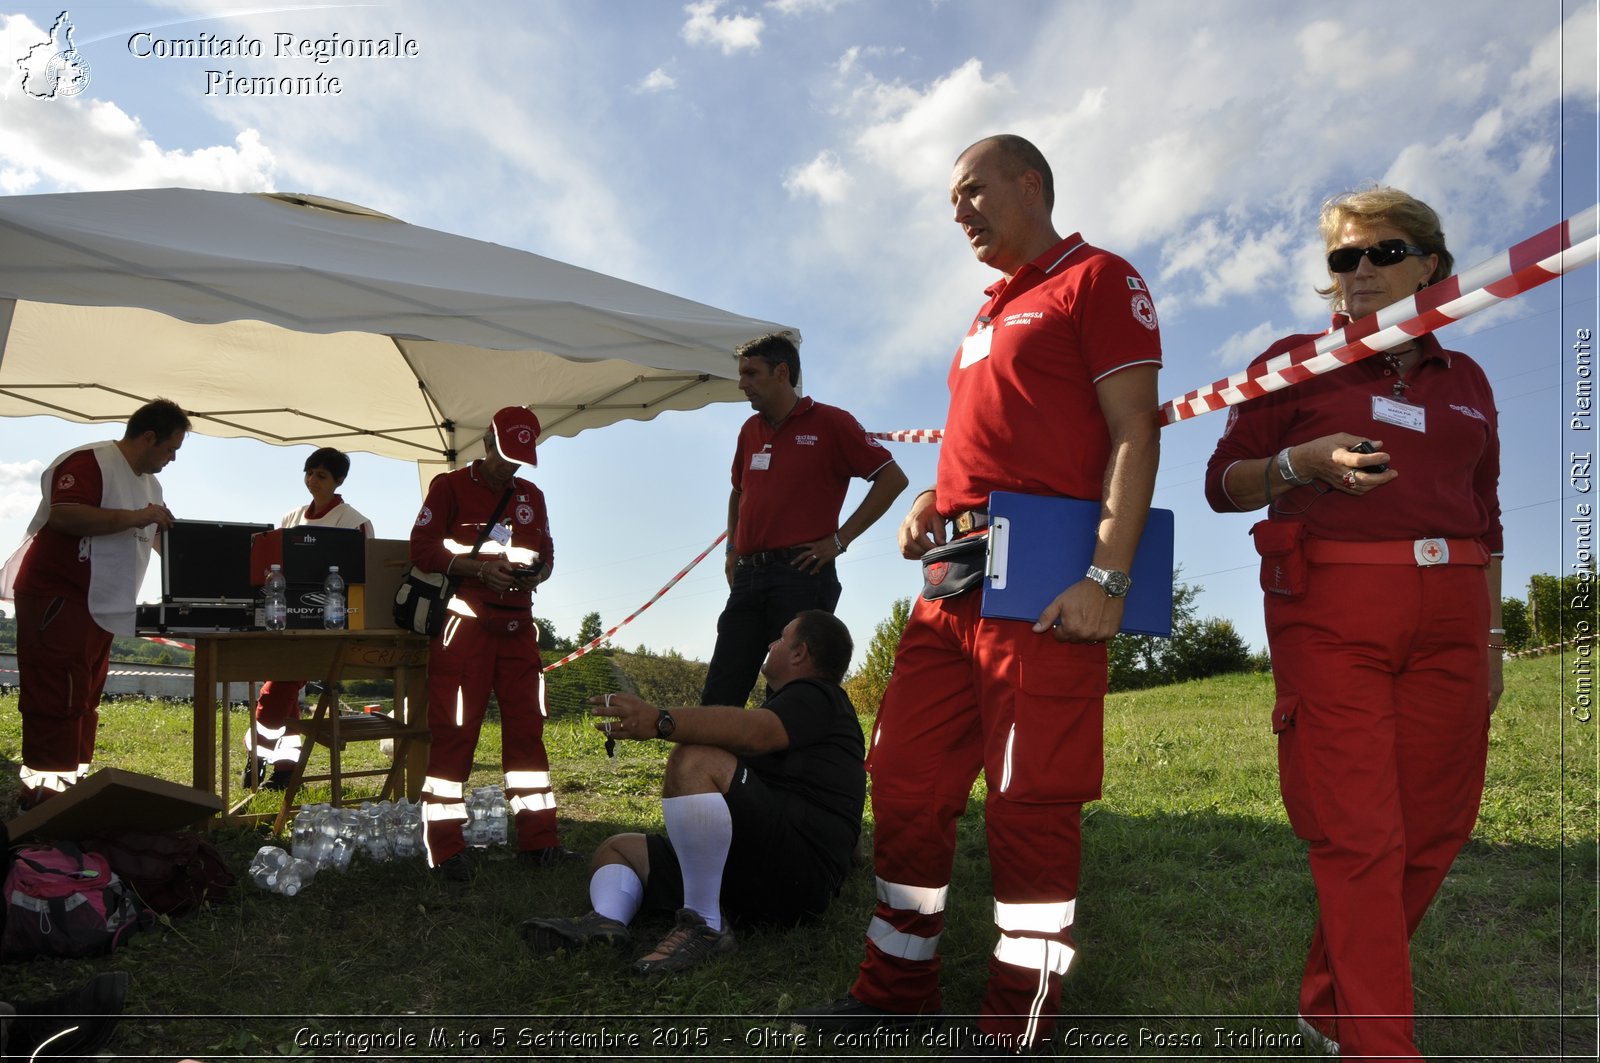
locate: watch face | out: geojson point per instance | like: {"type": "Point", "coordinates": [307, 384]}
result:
{"type": "Point", "coordinates": [665, 723]}
{"type": "Point", "coordinates": [1117, 584]}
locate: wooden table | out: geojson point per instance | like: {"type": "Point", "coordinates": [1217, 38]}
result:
{"type": "Point", "coordinates": [327, 656]}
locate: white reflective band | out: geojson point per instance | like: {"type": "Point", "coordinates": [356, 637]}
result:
{"type": "Point", "coordinates": [451, 624]}
{"type": "Point", "coordinates": [47, 780]}
{"type": "Point", "coordinates": [461, 702]}
{"type": "Point", "coordinates": [1047, 918]}
{"type": "Point", "coordinates": [83, 772]}
{"type": "Point", "coordinates": [517, 555]}
{"type": "Point", "coordinates": [459, 607]}
{"type": "Point", "coordinates": [924, 900]}
{"type": "Point", "coordinates": [905, 946]}
{"type": "Point", "coordinates": [532, 803]}
{"type": "Point", "coordinates": [450, 791]}
{"type": "Point", "coordinates": [1005, 774]}
{"type": "Point", "coordinates": [1034, 954]}
{"type": "Point", "coordinates": [270, 734]}
{"type": "Point", "coordinates": [544, 712]}
{"type": "Point", "coordinates": [527, 780]}
{"type": "Point", "coordinates": [432, 813]}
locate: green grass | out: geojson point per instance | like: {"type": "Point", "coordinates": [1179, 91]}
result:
{"type": "Point", "coordinates": [1194, 914]}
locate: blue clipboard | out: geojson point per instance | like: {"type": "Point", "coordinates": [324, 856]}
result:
{"type": "Point", "coordinates": [1040, 546]}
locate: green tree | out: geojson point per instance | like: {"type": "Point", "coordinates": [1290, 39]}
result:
{"type": "Point", "coordinates": [589, 629]}
{"type": "Point", "coordinates": [1208, 647]}
{"type": "Point", "coordinates": [1561, 608]}
{"type": "Point", "coordinates": [871, 678]}
{"type": "Point", "coordinates": [1514, 617]}
{"type": "Point", "coordinates": [549, 640]}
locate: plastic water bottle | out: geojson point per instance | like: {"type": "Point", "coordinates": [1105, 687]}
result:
{"type": "Point", "coordinates": [265, 867]}
{"type": "Point", "coordinates": [333, 600]}
{"type": "Point", "coordinates": [276, 613]}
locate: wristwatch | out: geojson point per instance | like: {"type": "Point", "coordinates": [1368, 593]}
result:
{"type": "Point", "coordinates": [1114, 583]}
{"type": "Point", "coordinates": [664, 724]}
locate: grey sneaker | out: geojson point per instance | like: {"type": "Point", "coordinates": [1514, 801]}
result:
{"type": "Point", "coordinates": [554, 935]}
{"type": "Point", "coordinates": [690, 942]}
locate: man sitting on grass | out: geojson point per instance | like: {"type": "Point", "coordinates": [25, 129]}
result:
{"type": "Point", "coordinates": [762, 809]}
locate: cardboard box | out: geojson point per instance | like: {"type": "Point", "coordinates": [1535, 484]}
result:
{"type": "Point", "coordinates": [110, 799]}
{"type": "Point", "coordinates": [305, 554]}
{"type": "Point", "coordinates": [387, 563]}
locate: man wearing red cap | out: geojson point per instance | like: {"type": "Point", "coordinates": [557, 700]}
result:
{"type": "Point", "coordinates": [489, 642]}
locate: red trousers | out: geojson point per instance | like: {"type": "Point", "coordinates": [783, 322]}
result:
{"type": "Point", "coordinates": [970, 693]}
{"type": "Point", "coordinates": [1382, 717]}
{"type": "Point", "coordinates": [466, 663]}
{"type": "Point", "coordinates": [62, 658]}
{"type": "Point", "coordinates": [276, 706]}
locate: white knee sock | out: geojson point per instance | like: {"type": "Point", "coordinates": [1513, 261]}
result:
{"type": "Point", "coordinates": [701, 831]}
{"type": "Point", "coordinates": [615, 892]}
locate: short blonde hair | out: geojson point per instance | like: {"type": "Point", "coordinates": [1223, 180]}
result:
{"type": "Point", "coordinates": [1402, 210]}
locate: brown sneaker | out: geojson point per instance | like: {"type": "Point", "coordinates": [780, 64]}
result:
{"type": "Point", "coordinates": [690, 942]}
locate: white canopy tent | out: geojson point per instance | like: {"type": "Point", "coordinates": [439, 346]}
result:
{"type": "Point", "coordinates": [295, 319]}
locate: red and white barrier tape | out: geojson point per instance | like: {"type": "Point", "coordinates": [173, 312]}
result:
{"type": "Point", "coordinates": [585, 648]}
{"type": "Point", "coordinates": [169, 642]}
{"type": "Point", "coordinates": [1559, 249]}
{"type": "Point", "coordinates": [911, 435]}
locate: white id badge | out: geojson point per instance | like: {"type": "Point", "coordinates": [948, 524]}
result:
{"type": "Point", "coordinates": [762, 460]}
{"type": "Point", "coordinates": [500, 534]}
{"type": "Point", "coordinates": [975, 348]}
{"type": "Point", "coordinates": [1403, 414]}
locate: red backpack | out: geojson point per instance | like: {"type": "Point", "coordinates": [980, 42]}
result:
{"type": "Point", "coordinates": [62, 901]}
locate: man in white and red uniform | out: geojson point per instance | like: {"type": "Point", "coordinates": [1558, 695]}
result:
{"type": "Point", "coordinates": [1052, 393]}
{"type": "Point", "coordinates": [76, 581]}
{"type": "Point", "coordinates": [489, 642]}
{"type": "Point", "coordinates": [279, 701]}
{"type": "Point", "coordinates": [791, 469]}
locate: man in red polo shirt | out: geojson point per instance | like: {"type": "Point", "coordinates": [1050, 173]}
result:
{"type": "Point", "coordinates": [76, 580]}
{"type": "Point", "coordinates": [791, 469]}
{"type": "Point", "coordinates": [1052, 393]}
{"type": "Point", "coordinates": [489, 643]}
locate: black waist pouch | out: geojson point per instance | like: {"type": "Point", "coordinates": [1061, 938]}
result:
{"type": "Point", "coordinates": [954, 568]}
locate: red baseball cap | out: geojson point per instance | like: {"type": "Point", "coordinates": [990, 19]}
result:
{"type": "Point", "coordinates": [516, 430]}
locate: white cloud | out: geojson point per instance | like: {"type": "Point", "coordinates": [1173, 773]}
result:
{"type": "Point", "coordinates": [731, 33]}
{"type": "Point", "coordinates": [658, 80]}
{"type": "Point", "coordinates": [1237, 351]}
{"type": "Point", "coordinates": [805, 7]}
{"type": "Point", "coordinates": [19, 489]}
{"type": "Point", "coordinates": [822, 177]}
{"type": "Point", "coordinates": [84, 143]}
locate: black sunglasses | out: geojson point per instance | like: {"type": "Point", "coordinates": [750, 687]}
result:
{"type": "Point", "coordinates": [1383, 253]}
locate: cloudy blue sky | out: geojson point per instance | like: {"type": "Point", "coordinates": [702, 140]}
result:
{"type": "Point", "coordinates": [789, 160]}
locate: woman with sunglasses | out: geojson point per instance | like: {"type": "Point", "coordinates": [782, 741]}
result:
{"type": "Point", "coordinates": [1381, 567]}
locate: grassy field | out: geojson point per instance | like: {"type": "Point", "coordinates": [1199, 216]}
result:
{"type": "Point", "coordinates": [1195, 910]}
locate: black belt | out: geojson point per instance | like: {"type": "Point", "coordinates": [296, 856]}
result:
{"type": "Point", "coordinates": [970, 520]}
{"type": "Point", "coordinates": [771, 557]}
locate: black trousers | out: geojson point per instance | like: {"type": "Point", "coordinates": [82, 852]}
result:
{"type": "Point", "coordinates": [763, 599]}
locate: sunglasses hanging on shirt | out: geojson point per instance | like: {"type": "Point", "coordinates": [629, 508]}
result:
{"type": "Point", "coordinates": [1383, 253]}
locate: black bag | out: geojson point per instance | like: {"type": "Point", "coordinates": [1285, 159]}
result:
{"type": "Point", "coordinates": [419, 603]}
{"type": "Point", "coordinates": [421, 600]}
{"type": "Point", "coordinates": [954, 568]}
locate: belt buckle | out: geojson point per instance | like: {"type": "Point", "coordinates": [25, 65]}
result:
{"type": "Point", "coordinates": [970, 521]}
{"type": "Point", "coordinates": [1430, 552]}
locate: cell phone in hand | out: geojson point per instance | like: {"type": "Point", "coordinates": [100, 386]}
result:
{"type": "Point", "coordinates": [1366, 447]}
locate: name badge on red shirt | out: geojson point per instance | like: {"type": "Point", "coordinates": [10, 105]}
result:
{"type": "Point", "coordinates": [761, 461]}
{"type": "Point", "coordinates": [975, 348]}
{"type": "Point", "coordinates": [1403, 414]}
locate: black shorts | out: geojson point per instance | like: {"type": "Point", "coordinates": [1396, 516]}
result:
{"type": "Point", "coordinates": [775, 874]}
